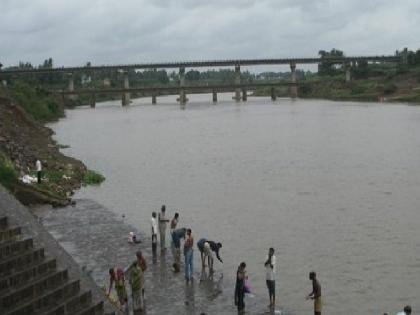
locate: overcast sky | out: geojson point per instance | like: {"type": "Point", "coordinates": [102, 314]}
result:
{"type": "Point", "coordinates": [134, 31]}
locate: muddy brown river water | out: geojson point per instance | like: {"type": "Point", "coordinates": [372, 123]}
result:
{"type": "Point", "coordinates": [333, 187]}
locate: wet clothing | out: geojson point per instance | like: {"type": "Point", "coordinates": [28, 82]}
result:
{"type": "Point", "coordinates": [318, 305]}
{"type": "Point", "coordinates": [153, 221]}
{"type": "Point", "coordinates": [189, 267]}
{"type": "Point", "coordinates": [270, 268]}
{"type": "Point", "coordinates": [240, 289]}
{"type": "Point", "coordinates": [162, 229]}
{"type": "Point", "coordinates": [176, 240]}
{"type": "Point", "coordinates": [316, 286]}
{"type": "Point", "coordinates": [188, 253]}
{"type": "Point", "coordinates": [271, 286]}
{"type": "Point", "coordinates": [119, 283]}
{"type": "Point", "coordinates": [137, 285]}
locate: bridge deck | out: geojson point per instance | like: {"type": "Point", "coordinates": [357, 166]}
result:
{"type": "Point", "coordinates": [188, 88]}
{"type": "Point", "coordinates": [205, 63]}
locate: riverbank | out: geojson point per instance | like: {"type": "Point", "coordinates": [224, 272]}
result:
{"type": "Point", "coordinates": [389, 87]}
{"type": "Point", "coordinates": [23, 140]}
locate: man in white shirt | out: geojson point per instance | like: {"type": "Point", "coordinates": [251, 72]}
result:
{"type": "Point", "coordinates": [38, 170]}
{"type": "Point", "coordinates": [162, 227]}
{"type": "Point", "coordinates": [270, 272]}
{"type": "Point", "coordinates": [154, 223]}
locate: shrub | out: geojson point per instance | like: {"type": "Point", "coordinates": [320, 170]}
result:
{"type": "Point", "coordinates": [8, 174]}
{"type": "Point", "coordinates": [390, 88]}
{"type": "Point", "coordinates": [92, 178]}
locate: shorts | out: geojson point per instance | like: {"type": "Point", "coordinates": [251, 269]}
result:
{"type": "Point", "coordinates": [271, 286]}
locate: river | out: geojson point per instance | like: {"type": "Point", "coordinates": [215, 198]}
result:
{"type": "Point", "coordinates": [332, 186]}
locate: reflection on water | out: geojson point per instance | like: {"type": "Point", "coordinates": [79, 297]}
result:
{"type": "Point", "coordinates": [331, 186]}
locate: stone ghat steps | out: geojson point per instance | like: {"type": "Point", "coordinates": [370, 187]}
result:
{"type": "Point", "coordinates": [44, 303]}
{"type": "Point", "coordinates": [14, 248]}
{"type": "Point", "coordinates": [22, 277]}
{"type": "Point", "coordinates": [15, 264]}
{"type": "Point", "coordinates": [73, 305]}
{"type": "Point", "coordinates": [10, 233]}
{"type": "Point", "coordinates": [32, 284]}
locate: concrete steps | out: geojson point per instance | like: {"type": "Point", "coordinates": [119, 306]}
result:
{"type": "Point", "coordinates": [73, 305]}
{"type": "Point", "coordinates": [4, 223]}
{"type": "Point", "coordinates": [14, 264]}
{"type": "Point", "coordinates": [43, 303]}
{"type": "Point", "coordinates": [22, 277]}
{"type": "Point", "coordinates": [34, 288]}
{"type": "Point", "coordinates": [97, 309]}
{"type": "Point", "coordinates": [10, 233]}
{"type": "Point", "coordinates": [13, 248]}
{"type": "Point", "coordinates": [33, 284]}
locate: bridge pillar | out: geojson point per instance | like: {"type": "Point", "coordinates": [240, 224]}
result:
{"type": "Point", "coordinates": [214, 96]}
{"type": "Point", "coordinates": [71, 86]}
{"type": "Point", "coordinates": [405, 56]}
{"type": "Point", "coordinates": [154, 99]}
{"type": "Point", "coordinates": [126, 95]}
{"type": "Point", "coordinates": [92, 100]}
{"type": "Point", "coordinates": [293, 87]}
{"type": "Point", "coordinates": [182, 93]}
{"type": "Point", "coordinates": [347, 68]}
{"type": "Point", "coordinates": [244, 95]}
{"type": "Point", "coordinates": [273, 94]}
{"type": "Point", "coordinates": [237, 96]}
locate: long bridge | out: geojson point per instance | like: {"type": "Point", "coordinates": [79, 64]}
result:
{"type": "Point", "coordinates": [182, 89]}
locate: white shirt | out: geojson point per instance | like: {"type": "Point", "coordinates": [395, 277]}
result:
{"type": "Point", "coordinates": [270, 273]}
{"type": "Point", "coordinates": [38, 166]}
{"type": "Point", "coordinates": [154, 225]}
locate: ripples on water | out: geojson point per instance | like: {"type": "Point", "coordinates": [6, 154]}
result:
{"type": "Point", "coordinates": [331, 186]}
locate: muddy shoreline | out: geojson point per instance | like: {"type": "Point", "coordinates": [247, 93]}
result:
{"type": "Point", "coordinates": [24, 140]}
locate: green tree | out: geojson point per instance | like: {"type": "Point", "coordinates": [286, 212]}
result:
{"type": "Point", "coordinates": [326, 67]}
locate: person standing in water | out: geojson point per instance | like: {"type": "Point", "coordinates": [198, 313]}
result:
{"type": "Point", "coordinates": [240, 287]}
{"type": "Point", "coordinates": [176, 239]}
{"type": "Point", "coordinates": [270, 273]}
{"type": "Point", "coordinates": [316, 293]}
{"type": "Point", "coordinates": [188, 253]}
{"type": "Point", "coordinates": [162, 227]}
{"type": "Point", "coordinates": [154, 233]}
{"type": "Point", "coordinates": [173, 224]}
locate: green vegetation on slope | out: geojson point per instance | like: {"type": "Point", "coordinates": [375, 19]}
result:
{"type": "Point", "coordinates": [8, 174]}
{"type": "Point", "coordinates": [37, 102]}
